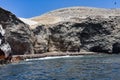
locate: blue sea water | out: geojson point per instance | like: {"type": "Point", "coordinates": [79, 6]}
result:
{"type": "Point", "coordinates": [88, 67]}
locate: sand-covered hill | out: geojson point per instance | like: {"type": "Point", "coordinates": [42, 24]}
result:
{"type": "Point", "coordinates": [74, 14]}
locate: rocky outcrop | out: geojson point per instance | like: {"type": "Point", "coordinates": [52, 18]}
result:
{"type": "Point", "coordinates": [17, 33]}
{"type": "Point", "coordinates": [90, 34]}
{"type": "Point", "coordinates": [79, 29]}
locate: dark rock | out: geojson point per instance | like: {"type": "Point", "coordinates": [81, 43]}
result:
{"type": "Point", "coordinates": [116, 48]}
{"type": "Point", "coordinates": [17, 33]}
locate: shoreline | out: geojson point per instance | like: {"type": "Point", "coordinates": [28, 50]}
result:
{"type": "Point", "coordinates": [18, 58]}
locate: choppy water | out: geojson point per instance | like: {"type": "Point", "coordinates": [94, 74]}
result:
{"type": "Point", "coordinates": [90, 67]}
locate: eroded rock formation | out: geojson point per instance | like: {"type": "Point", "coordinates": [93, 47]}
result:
{"type": "Point", "coordinates": [17, 33]}
{"type": "Point", "coordinates": [79, 29]}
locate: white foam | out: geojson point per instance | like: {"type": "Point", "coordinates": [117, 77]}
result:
{"type": "Point", "coordinates": [47, 58]}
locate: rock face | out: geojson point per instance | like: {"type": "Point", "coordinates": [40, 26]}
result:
{"type": "Point", "coordinates": [17, 33]}
{"type": "Point", "coordinates": [42, 38]}
{"type": "Point", "coordinates": [90, 34]}
{"type": "Point", "coordinates": [97, 35]}
{"type": "Point", "coordinates": [65, 37]}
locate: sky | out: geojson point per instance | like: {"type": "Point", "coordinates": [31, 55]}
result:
{"type": "Point", "coordinates": [32, 8]}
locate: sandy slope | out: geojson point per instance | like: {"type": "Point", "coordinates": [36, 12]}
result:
{"type": "Point", "coordinates": [74, 12]}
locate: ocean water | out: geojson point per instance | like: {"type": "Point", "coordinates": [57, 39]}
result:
{"type": "Point", "coordinates": [88, 67]}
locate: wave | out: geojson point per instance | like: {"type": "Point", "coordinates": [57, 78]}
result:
{"type": "Point", "coordinates": [55, 57]}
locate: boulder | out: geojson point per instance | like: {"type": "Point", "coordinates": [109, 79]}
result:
{"type": "Point", "coordinates": [16, 59]}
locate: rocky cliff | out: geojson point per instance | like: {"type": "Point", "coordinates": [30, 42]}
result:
{"type": "Point", "coordinates": [18, 38]}
{"type": "Point", "coordinates": [79, 29]}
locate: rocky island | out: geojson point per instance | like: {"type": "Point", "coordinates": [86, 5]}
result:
{"type": "Point", "coordinates": [67, 31]}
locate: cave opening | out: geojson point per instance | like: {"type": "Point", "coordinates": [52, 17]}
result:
{"type": "Point", "coordinates": [116, 48]}
{"type": "Point", "coordinates": [98, 49]}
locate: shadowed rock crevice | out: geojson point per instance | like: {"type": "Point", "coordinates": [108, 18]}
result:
{"type": "Point", "coordinates": [116, 48]}
{"type": "Point", "coordinates": [99, 49]}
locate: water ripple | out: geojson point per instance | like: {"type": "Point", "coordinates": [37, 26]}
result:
{"type": "Point", "coordinates": [90, 67]}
